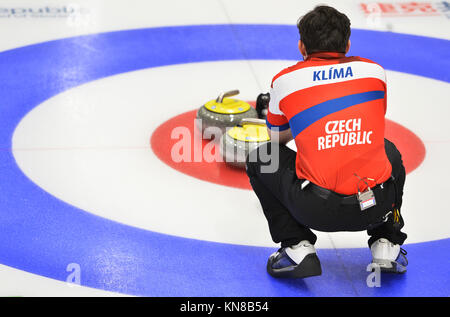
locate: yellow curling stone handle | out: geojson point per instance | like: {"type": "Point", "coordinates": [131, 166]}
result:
{"type": "Point", "coordinates": [225, 105]}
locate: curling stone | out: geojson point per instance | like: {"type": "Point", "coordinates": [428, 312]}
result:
{"type": "Point", "coordinates": [224, 112]}
{"type": "Point", "coordinates": [240, 140]}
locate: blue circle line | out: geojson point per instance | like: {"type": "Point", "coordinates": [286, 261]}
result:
{"type": "Point", "coordinates": [43, 235]}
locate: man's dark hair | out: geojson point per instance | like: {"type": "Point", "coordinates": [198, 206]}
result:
{"type": "Point", "coordinates": [324, 29]}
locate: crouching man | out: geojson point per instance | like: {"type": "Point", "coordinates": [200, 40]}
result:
{"type": "Point", "coordinates": [345, 176]}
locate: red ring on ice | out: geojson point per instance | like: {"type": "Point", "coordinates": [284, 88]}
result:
{"type": "Point", "coordinates": [409, 144]}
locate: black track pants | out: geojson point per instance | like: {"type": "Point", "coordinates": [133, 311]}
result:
{"type": "Point", "coordinates": [292, 212]}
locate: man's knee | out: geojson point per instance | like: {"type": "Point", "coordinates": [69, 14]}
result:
{"type": "Point", "coordinates": [257, 157]}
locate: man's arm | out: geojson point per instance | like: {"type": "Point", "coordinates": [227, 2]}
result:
{"type": "Point", "coordinates": [277, 123]}
{"type": "Point", "coordinates": [281, 137]}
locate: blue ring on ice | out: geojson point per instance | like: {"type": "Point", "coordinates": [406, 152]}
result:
{"type": "Point", "coordinates": [42, 234]}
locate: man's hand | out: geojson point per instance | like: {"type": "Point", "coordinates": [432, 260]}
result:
{"type": "Point", "coordinates": [262, 105]}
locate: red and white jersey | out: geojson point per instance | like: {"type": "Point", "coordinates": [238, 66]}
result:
{"type": "Point", "coordinates": [335, 107]}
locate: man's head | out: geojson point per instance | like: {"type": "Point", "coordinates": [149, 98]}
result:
{"type": "Point", "coordinates": [324, 29]}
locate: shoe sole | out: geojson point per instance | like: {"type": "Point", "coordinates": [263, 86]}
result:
{"type": "Point", "coordinates": [391, 267]}
{"type": "Point", "coordinates": [310, 266]}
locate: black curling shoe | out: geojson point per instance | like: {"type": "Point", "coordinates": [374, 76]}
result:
{"type": "Point", "coordinates": [298, 261]}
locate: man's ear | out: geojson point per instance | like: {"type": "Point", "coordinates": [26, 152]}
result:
{"type": "Point", "coordinates": [348, 47]}
{"type": "Point", "coordinates": [302, 49]}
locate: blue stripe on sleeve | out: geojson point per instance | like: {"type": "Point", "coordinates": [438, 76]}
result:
{"type": "Point", "coordinates": [278, 127]}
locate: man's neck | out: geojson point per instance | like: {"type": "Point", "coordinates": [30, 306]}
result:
{"type": "Point", "coordinates": [324, 55]}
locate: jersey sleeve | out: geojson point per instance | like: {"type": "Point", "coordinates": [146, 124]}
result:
{"type": "Point", "coordinates": [276, 120]}
{"type": "Point", "coordinates": [385, 93]}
